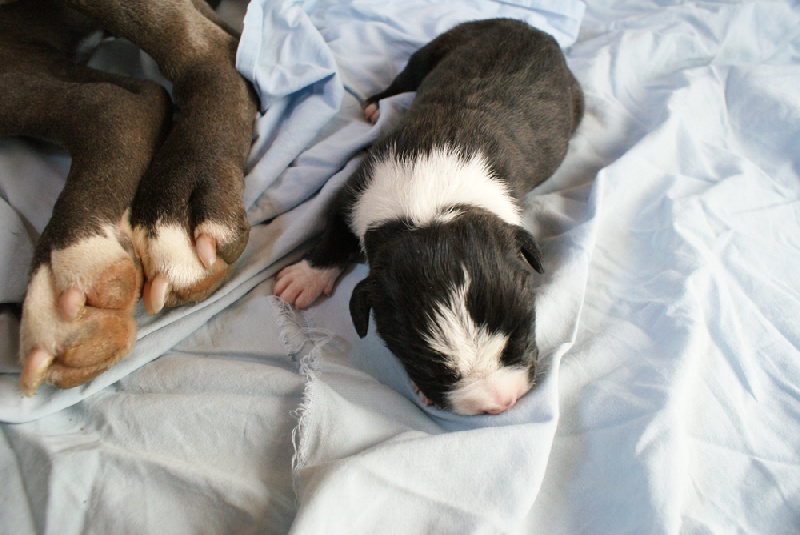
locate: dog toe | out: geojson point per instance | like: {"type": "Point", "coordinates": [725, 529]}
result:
{"type": "Point", "coordinates": [117, 286]}
{"type": "Point", "coordinates": [179, 269]}
{"type": "Point", "coordinates": [101, 338]}
{"type": "Point", "coordinates": [71, 303]}
{"type": "Point", "coordinates": [206, 248]}
{"type": "Point", "coordinates": [61, 324]}
{"type": "Point", "coordinates": [372, 113]}
{"type": "Point", "coordinates": [68, 377]}
{"type": "Point", "coordinates": [97, 271]}
{"type": "Point", "coordinates": [200, 289]}
{"type": "Point", "coordinates": [34, 370]}
{"type": "Point", "coordinates": [421, 395]}
{"type": "Point", "coordinates": [301, 284]}
{"type": "Point", "coordinates": [154, 294]}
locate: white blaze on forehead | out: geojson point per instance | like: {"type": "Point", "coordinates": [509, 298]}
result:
{"type": "Point", "coordinates": [423, 190]}
{"type": "Point", "coordinates": [474, 353]}
{"type": "Point", "coordinates": [470, 349]}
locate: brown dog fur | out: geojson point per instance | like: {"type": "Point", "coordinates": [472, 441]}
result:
{"type": "Point", "coordinates": [149, 207]}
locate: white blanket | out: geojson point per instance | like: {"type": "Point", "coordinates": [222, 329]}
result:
{"type": "Point", "coordinates": [669, 397]}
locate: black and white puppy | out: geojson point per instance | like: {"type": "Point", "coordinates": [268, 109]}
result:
{"type": "Point", "coordinates": [435, 207]}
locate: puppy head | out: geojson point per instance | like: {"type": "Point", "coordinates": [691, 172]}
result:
{"type": "Point", "coordinates": [455, 303]}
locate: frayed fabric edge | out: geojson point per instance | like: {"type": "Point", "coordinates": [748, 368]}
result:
{"type": "Point", "coordinates": [305, 344]}
{"type": "Point", "coordinates": [291, 327]}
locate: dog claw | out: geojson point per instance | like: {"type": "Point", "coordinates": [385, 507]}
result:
{"type": "Point", "coordinates": [34, 372]}
{"type": "Point", "coordinates": [206, 250]}
{"type": "Point", "coordinates": [155, 294]}
{"type": "Point", "coordinates": [71, 303]}
{"type": "Point", "coordinates": [181, 267]}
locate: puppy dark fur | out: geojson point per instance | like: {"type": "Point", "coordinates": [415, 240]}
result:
{"type": "Point", "coordinates": [435, 207]}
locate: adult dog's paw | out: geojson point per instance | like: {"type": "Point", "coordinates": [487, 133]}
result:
{"type": "Point", "coordinates": [180, 267]}
{"type": "Point", "coordinates": [77, 318]}
{"type": "Point", "coordinates": [301, 284]}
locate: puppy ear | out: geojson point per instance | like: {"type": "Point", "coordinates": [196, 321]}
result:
{"type": "Point", "coordinates": [360, 307]}
{"type": "Point", "coordinates": [529, 249]}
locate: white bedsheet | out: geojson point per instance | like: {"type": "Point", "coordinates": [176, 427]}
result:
{"type": "Point", "coordinates": [669, 398]}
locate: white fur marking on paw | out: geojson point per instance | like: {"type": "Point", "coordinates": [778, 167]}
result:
{"type": "Point", "coordinates": [220, 233]}
{"type": "Point", "coordinates": [207, 238]}
{"type": "Point", "coordinates": [77, 266]}
{"type": "Point", "coordinates": [41, 326]}
{"type": "Point", "coordinates": [171, 253]}
{"type": "Point", "coordinates": [74, 269]}
{"type": "Point", "coordinates": [425, 189]}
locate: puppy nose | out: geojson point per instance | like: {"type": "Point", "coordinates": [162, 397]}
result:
{"type": "Point", "coordinates": [502, 407]}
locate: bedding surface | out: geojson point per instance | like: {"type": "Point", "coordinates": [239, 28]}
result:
{"type": "Point", "coordinates": [669, 393]}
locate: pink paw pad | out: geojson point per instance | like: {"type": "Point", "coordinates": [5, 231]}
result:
{"type": "Point", "coordinates": [301, 285]}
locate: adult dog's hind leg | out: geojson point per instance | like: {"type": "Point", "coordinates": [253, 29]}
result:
{"type": "Point", "coordinates": [188, 214]}
{"type": "Point", "coordinates": [77, 316]}
{"type": "Point", "coordinates": [302, 283]}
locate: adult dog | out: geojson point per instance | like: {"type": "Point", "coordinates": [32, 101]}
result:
{"type": "Point", "coordinates": [150, 208]}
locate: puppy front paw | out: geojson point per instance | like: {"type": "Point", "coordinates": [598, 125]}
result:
{"type": "Point", "coordinates": [301, 284]}
{"type": "Point", "coordinates": [77, 318]}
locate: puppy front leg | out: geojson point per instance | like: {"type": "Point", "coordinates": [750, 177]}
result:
{"type": "Point", "coordinates": [301, 284]}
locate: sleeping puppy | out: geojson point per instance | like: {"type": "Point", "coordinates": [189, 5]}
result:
{"type": "Point", "coordinates": [435, 207]}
